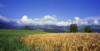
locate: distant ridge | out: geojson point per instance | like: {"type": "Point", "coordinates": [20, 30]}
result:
{"type": "Point", "coordinates": [5, 26]}
{"type": "Point", "coordinates": [48, 28]}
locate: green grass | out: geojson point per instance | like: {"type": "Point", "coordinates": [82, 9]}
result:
{"type": "Point", "coordinates": [8, 41]}
{"type": "Point", "coordinates": [20, 32]}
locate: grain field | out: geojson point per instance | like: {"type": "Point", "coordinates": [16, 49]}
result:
{"type": "Point", "coordinates": [63, 41]}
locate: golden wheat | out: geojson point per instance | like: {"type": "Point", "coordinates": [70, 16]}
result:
{"type": "Point", "coordinates": [64, 41]}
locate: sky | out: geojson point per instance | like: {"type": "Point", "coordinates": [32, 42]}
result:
{"type": "Point", "coordinates": [50, 12]}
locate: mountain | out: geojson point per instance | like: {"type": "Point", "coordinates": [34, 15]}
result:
{"type": "Point", "coordinates": [96, 28]}
{"type": "Point", "coordinates": [45, 28]}
{"type": "Point", "coordinates": [5, 26]}
{"type": "Point", "coordinates": [49, 28]}
{"type": "Point", "coordinates": [53, 30]}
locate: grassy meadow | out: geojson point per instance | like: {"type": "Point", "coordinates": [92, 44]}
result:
{"type": "Point", "coordinates": [31, 40]}
{"type": "Point", "coordinates": [10, 39]}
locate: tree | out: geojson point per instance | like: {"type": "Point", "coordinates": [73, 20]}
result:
{"type": "Point", "coordinates": [88, 29]}
{"type": "Point", "coordinates": [27, 27]}
{"type": "Point", "coordinates": [73, 28]}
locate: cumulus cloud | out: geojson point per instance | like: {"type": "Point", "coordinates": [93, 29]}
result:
{"type": "Point", "coordinates": [87, 21]}
{"type": "Point", "coordinates": [26, 20]}
{"type": "Point", "coordinates": [1, 5]}
{"type": "Point", "coordinates": [51, 20]}
{"type": "Point", "coordinates": [79, 21]}
{"type": "Point", "coordinates": [94, 20]}
{"type": "Point", "coordinates": [62, 23]}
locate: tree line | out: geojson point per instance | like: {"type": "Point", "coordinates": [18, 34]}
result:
{"type": "Point", "coordinates": [74, 28]}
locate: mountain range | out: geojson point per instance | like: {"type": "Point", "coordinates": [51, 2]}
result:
{"type": "Point", "coordinates": [49, 28]}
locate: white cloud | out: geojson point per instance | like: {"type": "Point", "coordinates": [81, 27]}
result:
{"type": "Point", "coordinates": [87, 21]}
{"type": "Point", "coordinates": [4, 19]}
{"type": "Point", "coordinates": [62, 23]}
{"type": "Point", "coordinates": [1, 5]}
{"type": "Point", "coordinates": [96, 22]}
{"type": "Point", "coordinates": [79, 21]}
{"type": "Point", "coordinates": [26, 20]}
{"type": "Point", "coordinates": [46, 20]}
{"type": "Point", "coordinates": [92, 18]}
{"type": "Point", "coordinates": [51, 20]}
{"type": "Point", "coordinates": [83, 23]}
{"type": "Point", "coordinates": [36, 21]}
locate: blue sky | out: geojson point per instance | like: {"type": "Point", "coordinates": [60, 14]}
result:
{"type": "Point", "coordinates": [61, 10]}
